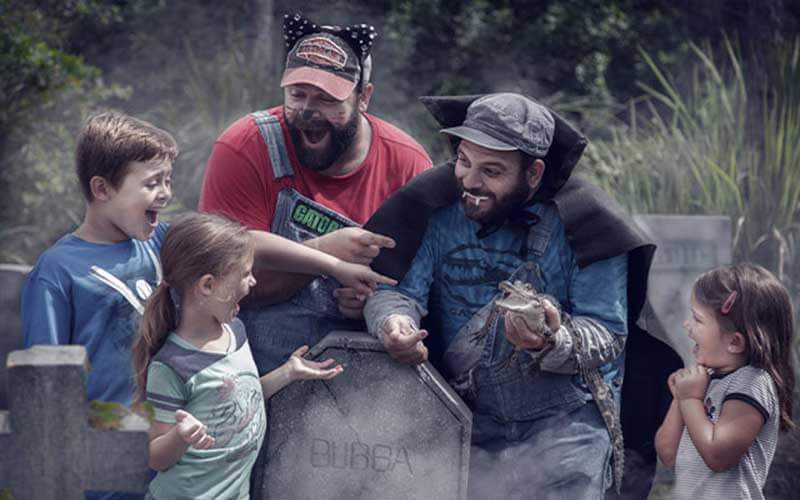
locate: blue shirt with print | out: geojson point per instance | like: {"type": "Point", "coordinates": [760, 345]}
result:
{"type": "Point", "coordinates": [63, 302]}
{"type": "Point", "coordinates": [455, 273]}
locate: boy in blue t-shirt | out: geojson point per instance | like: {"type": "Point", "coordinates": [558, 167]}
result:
{"type": "Point", "coordinates": [89, 288]}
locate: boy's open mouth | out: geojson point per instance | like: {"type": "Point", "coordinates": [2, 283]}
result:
{"type": "Point", "coordinates": [152, 216]}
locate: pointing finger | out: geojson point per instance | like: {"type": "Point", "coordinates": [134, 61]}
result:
{"type": "Point", "coordinates": [381, 279]}
{"type": "Point", "coordinates": [379, 240]}
{"type": "Point", "coordinates": [370, 251]}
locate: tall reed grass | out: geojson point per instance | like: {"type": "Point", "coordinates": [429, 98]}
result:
{"type": "Point", "coordinates": [723, 140]}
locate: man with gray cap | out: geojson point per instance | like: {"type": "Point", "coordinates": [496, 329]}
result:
{"type": "Point", "coordinates": [545, 397]}
{"type": "Point", "coordinates": [312, 170]}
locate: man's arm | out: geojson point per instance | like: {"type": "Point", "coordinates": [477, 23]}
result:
{"type": "Point", "coordinates": [598, 300]}
{"type": "Point", "coordinates": [393, 314]}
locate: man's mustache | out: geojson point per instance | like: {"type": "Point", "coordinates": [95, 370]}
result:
{"type": "Point", "coordinates": [313, 124]}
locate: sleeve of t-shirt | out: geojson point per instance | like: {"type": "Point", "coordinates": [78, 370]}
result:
{"type": "Point", "coordinates": [755, 388]}
{"type": "Point", "coordinates": [422, 163]}
{"type": "Point", "coordinates": [418, 162]}
{"type": "Point", "coordinates": [165, 391]}
{"type": "Point", "coordinates": [158, 235]}
{"type": "Point", "coordinates": [232, 187]}
{"type": "Point", "coordinates": [46, 312]}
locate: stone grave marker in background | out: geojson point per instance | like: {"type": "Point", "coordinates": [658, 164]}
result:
{"type": "Point", "coordinates": [11, 278]}
{"type": "Point", "coordinates": [48, 449]}
{"type": "Point", "coordinates": [688, 245]}
{"type": "Point", "coordinates": [378, 430]}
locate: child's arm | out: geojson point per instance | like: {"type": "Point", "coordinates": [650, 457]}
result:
{"type": "Point", "coordinates": [297, 368]}
{"type": "Point", "coordinates": [46, 313]}
{"type": "Point", "coordinates": [669, 434]}
{"type": "Point", "coordinates": [168, 442]}
{"type": "Point", "coordinates": [280, 254]}
{"type": "Point", "coordinates": [722, 444]}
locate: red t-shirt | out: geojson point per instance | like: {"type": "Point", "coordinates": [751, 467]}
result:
{"type": "Point", "coordinates": [239, 181]}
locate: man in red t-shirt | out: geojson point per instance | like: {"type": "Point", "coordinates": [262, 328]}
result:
{"type": "Point", "coordinates": [312, 170]}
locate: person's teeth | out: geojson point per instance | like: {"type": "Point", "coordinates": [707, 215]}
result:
{"type": "Point", "coordinates": [476, 200]}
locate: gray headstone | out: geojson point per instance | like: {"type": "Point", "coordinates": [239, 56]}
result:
{"type": "Point", "coordinates": [379, 430]}
{"type": "Point", "coordinates": [688, 245]}
{"type": "Point", "coordinates": [11, 278]}
{"type": "Point", "coordinates": [48, 451]}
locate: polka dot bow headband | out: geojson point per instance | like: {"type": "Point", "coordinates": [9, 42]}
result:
{"type": "Point", "coordinates": [359, 37]}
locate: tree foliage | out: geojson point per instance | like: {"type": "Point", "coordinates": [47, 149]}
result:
{"type": "Point", "coordinates": [194, 67]}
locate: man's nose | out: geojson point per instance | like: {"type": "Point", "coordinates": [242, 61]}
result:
{"type": "Point", "coordinates": [307, 114]}
{"type": "Point", "coordinates": [471, 180]}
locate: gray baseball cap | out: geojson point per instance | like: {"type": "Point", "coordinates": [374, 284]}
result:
{"type": "Point", "coordinates": [507, 122]}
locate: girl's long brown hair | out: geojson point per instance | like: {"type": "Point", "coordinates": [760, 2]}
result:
{"type": "Point", "coordinates": [762, 312]}
{"type": "Point", "coordinates": [195, 245]}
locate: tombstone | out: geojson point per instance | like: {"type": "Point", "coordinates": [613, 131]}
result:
{"type": "Point", "coordinates": [48, 451]}
{"type": "Point", "coordinates": [379, 430]}
{"type": "Point", "coordinates": [11, 278]}
{"type": "Point", "coordinates": [688, 245]}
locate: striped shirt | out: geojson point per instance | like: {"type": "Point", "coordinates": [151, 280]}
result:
{"type": "Point", "coordinates": [694, 479]}
{"type": "Point", "coordinates": [221, 390]}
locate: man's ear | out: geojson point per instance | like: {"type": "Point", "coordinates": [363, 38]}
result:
{"type": "Point", "coordinates": [364, 97]}
{"type": "Point", "coordinates": [101, 188]}
{"type": "Point", "coordinates": [737, 344]}
{"type": "Point", "coordinates": [535, 173]}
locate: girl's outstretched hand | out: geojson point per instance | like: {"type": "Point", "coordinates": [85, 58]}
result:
{"type": "Point", "coordinates": [359, 277]}
{"type": "Point", "coordinates": [192, 431]}
{"type": "Point", "coordinates": [305, 369]}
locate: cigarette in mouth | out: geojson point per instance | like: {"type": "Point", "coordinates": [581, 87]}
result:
{"type": "Point", "coordinates": [475, 199]}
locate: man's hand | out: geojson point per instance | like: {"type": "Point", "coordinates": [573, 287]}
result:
{"type": "Point", "coordinates": [403, 341]}
{"type": "Point", "coordinates": [351, 302]}
{"type": "Point", "coordinates": [352, 244]}
{"type": "Point", "coordinates": [691, 383]}
{"type": "Point", "coordinates": [521, 336]}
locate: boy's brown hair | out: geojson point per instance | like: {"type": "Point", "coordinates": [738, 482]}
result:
{"type": "Point", "coordinates": [110, 140]}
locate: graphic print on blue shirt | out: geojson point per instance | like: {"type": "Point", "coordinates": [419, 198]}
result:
{"type": "Point", "coordinates": [452, 250]}
{"type": "Point", "coordinates": [468, 266]}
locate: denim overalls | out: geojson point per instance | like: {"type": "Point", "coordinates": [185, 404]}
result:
{"type": "Point", "coordinates": [535, 434]}
{"type": "Point", "coordinates": [275, 331]}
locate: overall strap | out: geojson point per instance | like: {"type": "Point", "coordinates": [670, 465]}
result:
{"type": "Point", "coordinates": [539, 233]}
{"type": "Point", "coordinates": [272, 134]}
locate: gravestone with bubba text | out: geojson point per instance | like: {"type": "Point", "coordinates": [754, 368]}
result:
{"type": "Point", "coordinates": [380, 430]}
{"type": "Point", "coordinates": [688, 245]}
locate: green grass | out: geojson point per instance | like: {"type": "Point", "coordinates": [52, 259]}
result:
{"type": "Point", "coordinates": [723, 140]}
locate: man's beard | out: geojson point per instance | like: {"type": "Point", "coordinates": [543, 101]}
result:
{"type": "Point", "coordinates": [341, 138]}
{"type": "Point", "coordinates": [503, 208]}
